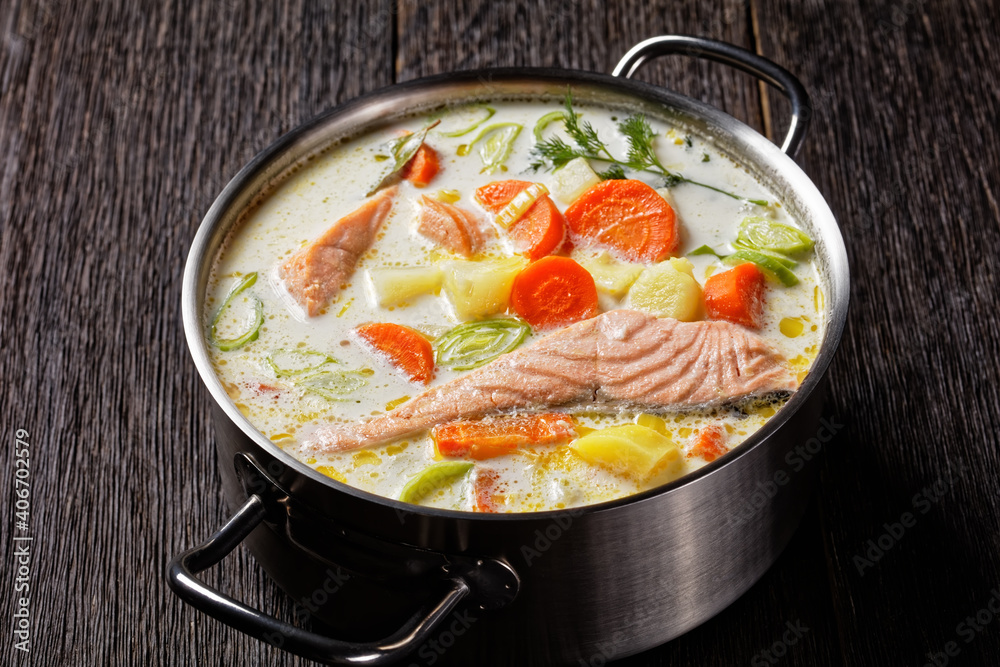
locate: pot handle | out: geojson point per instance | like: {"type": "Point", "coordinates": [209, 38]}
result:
{"type": "Point", "coordinates": [181, 573]}
{"type": "Point", "coordinates": [734, 56]}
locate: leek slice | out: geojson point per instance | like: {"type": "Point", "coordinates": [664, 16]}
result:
{"type": "Point", "coordinates": [784, 260]}
{"type": "Point", "coordinates": [520, 204]}
{"type": "Point", "coordinates": [228, 344]}
{"type": "Point", "coordinates": [286, 363]}
{"type": "Point", "coordinates": [497, 143]}
{"type": "Point", "coordinates": [474, 344]}
{"type": "Point", "coordinates": [546, 120]}
{"type": "Point", "coordinates": [333, 385]}
{"type": "Point", "coordinates": [432, 478]}
{"type": "Point", "coordinates": [759, 233]}
{"type": "Point", "coordinates": [462, 132]}
{"type": "Point", "coordinates": [767, 263]}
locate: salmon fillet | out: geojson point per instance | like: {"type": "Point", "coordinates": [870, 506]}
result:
{"type": "Point", "coordinates": [622, 358]}
{"type": "Point", "coordinates": [449, 226]}
{"type": "Point", "coordinates": [314, 274]}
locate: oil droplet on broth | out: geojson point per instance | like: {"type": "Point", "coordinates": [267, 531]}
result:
{"type": "Point", "coordinates": [791, 327]}
{"type": "Point", "coordinates": [332, 473]}
{"type": "Point", "coordinates": [365, 458]}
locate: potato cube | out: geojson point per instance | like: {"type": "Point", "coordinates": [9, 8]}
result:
{"type": "Point", "coordinates": [631, 450]}
{"type": "Point", "coordinates": [575, 178]}
{"type": "Point", "coordinates": [668, 289]}
{"type": "Point", "coordinates": [394, 286]}
{"type": "Point", "coordinates": [480, 288]}
{"type": "Point", "coordinates": [611, 276]}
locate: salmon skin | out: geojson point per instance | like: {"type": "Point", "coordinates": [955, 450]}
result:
{"type": "Point", "coordinates": [314, 274]}
{"type": "Point", "coordinates": [620, 359]}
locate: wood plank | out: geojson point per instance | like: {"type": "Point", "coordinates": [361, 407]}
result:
{"type": "Point", "coordinates": [904, 144]}
{"type": "Point", "coordinates": [590, 35]}
{"type": "Point", "coordinates": [121, 124]}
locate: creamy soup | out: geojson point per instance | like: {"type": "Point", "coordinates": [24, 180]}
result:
{"type": "Point", "coordinates": [717, 258]}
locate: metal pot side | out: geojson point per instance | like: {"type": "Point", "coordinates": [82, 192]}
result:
{"type": "Point", "coordinates": [606, 580]}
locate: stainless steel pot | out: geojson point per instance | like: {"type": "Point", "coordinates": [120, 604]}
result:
{"type": "Point", "coordinates": [608, 580]}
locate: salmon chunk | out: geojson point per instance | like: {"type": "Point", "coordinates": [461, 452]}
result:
{"type": "Point", "coordinates": [314, 274]}
{"type": "Point", "coordinates": [449, 226]}
{"type": "Point", "coordinates": [620, 359]}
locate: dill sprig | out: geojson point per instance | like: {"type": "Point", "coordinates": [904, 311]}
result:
{"type": "Point", "coordinates": [554, 153]}
{"type": "Point", "coordinates": [613, 173]}
{"type": "Point", "coordinates": [584, 133]}
{"type": "Point", "coordinates": [640, 136]}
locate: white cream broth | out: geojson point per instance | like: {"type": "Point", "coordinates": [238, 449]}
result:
{"type": "Point", "coordinates": [334, 183]}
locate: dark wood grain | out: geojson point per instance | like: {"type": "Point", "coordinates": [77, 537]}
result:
{"type": "Point", "coordinates": [905, 146]}
{"type": "Point", "coordinates": [120, 123]}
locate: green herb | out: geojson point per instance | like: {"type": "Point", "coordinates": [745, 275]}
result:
{"type": "Point", "coordinates": [402, 150]}
{"type": "Point", "coordinates": [461, 132]}
{"type": "Point", "coordinates": [705, 157]}
{"type": "Point", "coordinates": [333, 385]}
{"type": "Point", "coordinates": [641, 154]}
{"type": "Point", "coordinates": [705, 250]}
{"type": "Point", "coordinates": [554, 153]}
{"type": "Point", "coordinates": [286, 363]}
{"type": "Point", "coordinates": [497, 143]}
{"type": "Point", "coordinates": [583, 134]}
{"type": "Point", "coordinates": [228, 344]}
{"type": "Point", "coordinates": [763, 234]}
{"type": "Point", "coordinates": [474, 344]}
{"type": "Point", "coordinates": [432, 478]}
{"type": "Point", "coordinates": [613, 173]}
{"type": "Point", "coordinates": [687, 141]}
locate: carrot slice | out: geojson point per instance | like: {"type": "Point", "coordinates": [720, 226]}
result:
{"type": "Point", "coordinates": [626, 216]}
{"type": "Point", "coordinates": [540, 231]}
{"type": "Point", "coordinates": [488, 438]}
{"type": "Point", "coordinates": [485, 488]}
{"type": "Point", "coordinates": [554, 292]}
{"type": "Point", "coordinates": [542, 228]}
{"type": "Point", "coordinates": [494, 196]}
{"type": "Point", "coordinates": [405, 349]}
{"type": "Point", "coordinates": [710, 443]}
{"type": "Point", "coordinates": [736, 295]}
{"type": "Point", "coordinates": [422, 167]}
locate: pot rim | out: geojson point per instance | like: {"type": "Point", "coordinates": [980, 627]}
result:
{"type": "Point", "coordinates": [759, 155]}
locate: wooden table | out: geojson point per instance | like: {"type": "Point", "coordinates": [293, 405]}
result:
{"type": "Point", "coordinates": [120, 123]}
